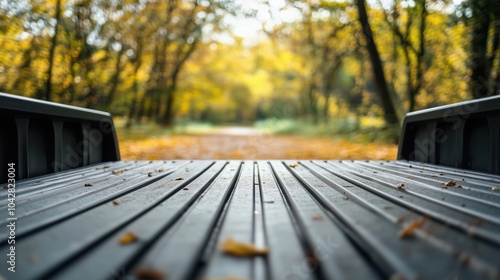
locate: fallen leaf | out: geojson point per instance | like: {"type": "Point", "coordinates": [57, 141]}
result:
{"type": "Point", "coordinates": [241, 249]}
{"type": "Point", "coordinates": [459, 186]}
{"type": "Point", "coordinates": [179, 178]}
{"type": "Point", "coordinates": [345, 198]}
{"type": "Point", "coordinates": [161, 170]}
{"type": "Point", "coordinates": [127, 238]}
{"type": "Point", "coordinates": [293, 165]}
{"type": "Point", "coordinates": [450, 183]}
{"type": "Point", "coordinates": [104, 167]}
{"type": "Point", "coordinates": [318, 218]}
{"type": "Point", "coordinates": [495, 189]}
{"type": "Point", "coordinates": [149, 274]}
{"type": "Point", "coordinates": [150, 174]}
{"type": "Point", "coordinates": [116, 172]}
{"type": "Point", "coordinates": [115, 202]}
{"type": "Point", "coordinates": [186, 189]}
{"type": "Point", "coordinates": [408, 176]}
{"type": "Point", "coordinates": [400, 186]}
{"type": "Point", "coordinates": [268, 201]}
{"type": "Point", "coordinates": [88, 185]}
{"type": "Point", "coordinates": [408, 230]}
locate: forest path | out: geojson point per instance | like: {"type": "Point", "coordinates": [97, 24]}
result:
{"type": "Point", "coordinates": [234, 142]}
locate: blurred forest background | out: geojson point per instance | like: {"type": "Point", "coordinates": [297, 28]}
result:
{"type": "Point", "coordinates": [318, 67]}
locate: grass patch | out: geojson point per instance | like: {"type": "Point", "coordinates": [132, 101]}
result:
{"type": "Point", "coordinates": [153, 130]}
{"type": "Point", "coordinates": [366, 130]}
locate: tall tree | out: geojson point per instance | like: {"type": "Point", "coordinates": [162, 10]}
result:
{"type": "Point", "coordinates": [485, 21]}
{"type": "Point", "coordinates": [52, 50]}
{"type": "Point", "coordinates": [413, 51]}
{"type": "Point", "coordinates": [382, 89]}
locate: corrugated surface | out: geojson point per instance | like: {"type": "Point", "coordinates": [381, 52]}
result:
{"type": "Point", "coordinates": [319, 220]}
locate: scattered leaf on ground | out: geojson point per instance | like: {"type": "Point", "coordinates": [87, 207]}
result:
{"type": "Point", "coordinates": [150, 174]}
{"type": "Point", "coordinates": [293, 165]}
{"type": "Point", "coordinates": [116, 172]}
{"type": "Point", "coordinates": [317, 217]}
{"type": "Point", "coordinates": [127, 238]}
{"type": "Point", "coordinates": [400, 186]}
{"type": "Point", "coordinates": [115, 202]}
{"type": "Point", "coordinates": [242, 249]}
{"type": "Point", "coordinates": [104, 167]}
{"type": "Point", "coordinates": [268, 201]}
{"type": "Point", "coordinates": [149, 274]}
{"type": "Point", "coordinates": [88, 185]}
{"type": "Point", "coordinates": [450, 183]}
{"type": "Point", "coordinates": [408, 230]}
{"type": "Point", "coordinates": [495, 189]}
{"type": "Point", "coordinates": [186, 189]}
{"type": "Point", "coordinates": [179, 178]}
{"type": "Point", "coordinates": [160, 170]}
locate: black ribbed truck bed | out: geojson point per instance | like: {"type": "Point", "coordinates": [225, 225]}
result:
{"type": "Point", "coordinates": [432, 214]}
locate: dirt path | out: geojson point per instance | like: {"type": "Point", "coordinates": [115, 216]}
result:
{"type": "Point", "coordinates": [247, 143]}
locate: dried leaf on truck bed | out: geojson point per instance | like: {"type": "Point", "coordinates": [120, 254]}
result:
{"type": "Point", "coordinates": [88, 185]}
{"type": "Point", "coordinates": [160, 170]}
{"type": "Point", "coordinates": [127, 238]}
{"type": "Point", "coordinates": [116, 172]}
{"type": "Point", "coordinates": [450, 183]}
{"type": "Point", "coordinates": [318, 218]}
{"type": "Point", "coordinates": [150, 174]}
{"type": "Point", "coordinates": [149, 274]}
{"type": "Point", "coordinates": [408, 230]}
{"type": "Point", "coordinates": [495, 189]}
{"type": "Point", "coordinates": [293, 165]}
{"type": "Point", "coordinates": [179, 178]}
{"type": "Point", "coordinates": [115, 202]}
{"type": "Point", "coordinates": [242, 249]}
{"type": "Point", "coordinates": [400, 186]}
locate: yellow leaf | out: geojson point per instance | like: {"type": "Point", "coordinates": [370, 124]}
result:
{"type": "Point", "coordinates": [450, 183]}
{"type": "Point", "coordinates": [149, 273]}
{"type": "Point", "coordinates": [116, 172]}
{"type": "Point", "coordinates": [127, 238]}
{"type": "Point", "coordinates": [242, 249]}
{"type": "Point", "coordinates": [408, 230]}
{"type": "Point", "coordinates": [294, 165]}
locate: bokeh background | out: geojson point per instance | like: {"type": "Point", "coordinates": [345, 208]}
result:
{"type": "Point", "coordinates": [252, 79]}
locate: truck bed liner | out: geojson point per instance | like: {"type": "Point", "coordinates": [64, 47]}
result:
{"type": "Point", "coordinates": [318, 219]}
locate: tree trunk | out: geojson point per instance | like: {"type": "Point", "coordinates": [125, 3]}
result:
{"type": "Point", "coordinates": [390, 116]}
{"type": "Point", "coordinates": [480, 74]}
{"type": "Point", "coordinates": [48, 83]}
{"type": "Point", "coordinates": [115, 79]}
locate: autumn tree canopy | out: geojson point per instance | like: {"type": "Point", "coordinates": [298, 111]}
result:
{"type": "Point", "coordinates": [166, 60]}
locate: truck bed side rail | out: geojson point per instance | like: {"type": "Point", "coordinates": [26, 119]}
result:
{"type": "Point", "coordinates": [43, 137]}
{"type": "Point", "coordinates": [464, 135]}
